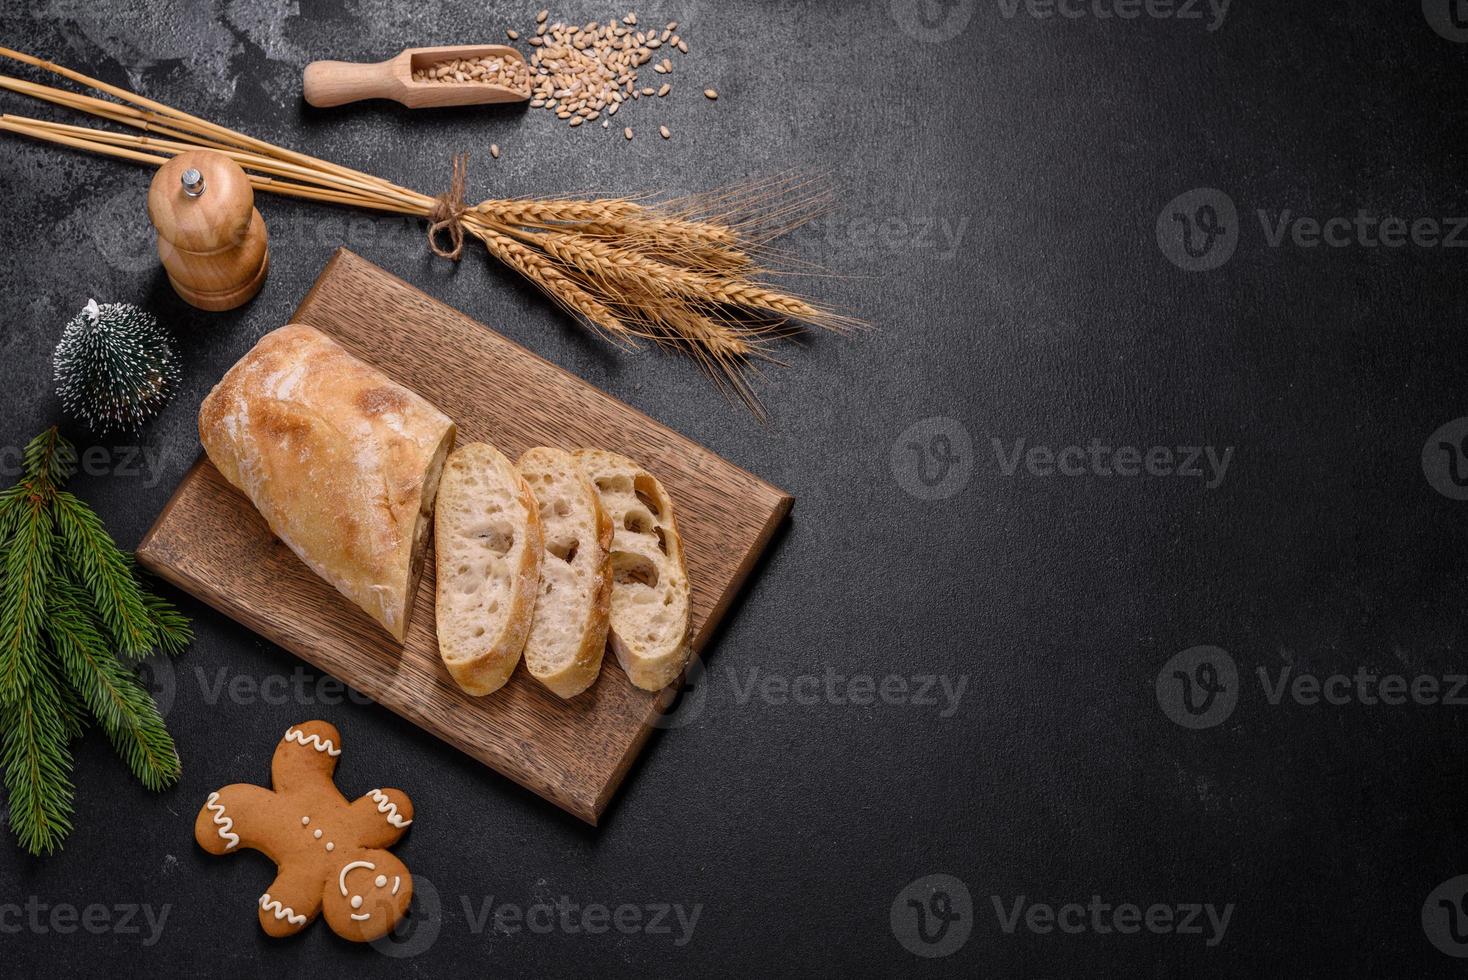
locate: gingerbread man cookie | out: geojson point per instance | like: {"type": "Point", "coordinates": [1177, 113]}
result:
{"type": "Point", "coordinates": [330, 854]}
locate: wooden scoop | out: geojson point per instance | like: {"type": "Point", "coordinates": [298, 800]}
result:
{"type": "Point", "coordinates": [329, 83]}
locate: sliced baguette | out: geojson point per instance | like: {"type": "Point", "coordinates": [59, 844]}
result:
{"type": "Point", "coordinates": [487, 553]}
{"type": "Point", "coordinates": [650, 619]}
{"type": "Point", "coordinates": [569, 632]}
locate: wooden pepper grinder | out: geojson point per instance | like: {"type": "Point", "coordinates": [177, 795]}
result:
{"type": "Point", "coordinates": [210, 237]}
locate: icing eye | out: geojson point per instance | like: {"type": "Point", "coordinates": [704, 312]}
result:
{"type": "Point", "coordinates": [305, 820]}
{"type": "Point", "coordinates": [380, 881]}
{"type": "Point", "coordinates": [316, 833]}
{"type": "Point", "coordinates": [356, 901]}
{"type": "Point", "coordinates": [330, 846]}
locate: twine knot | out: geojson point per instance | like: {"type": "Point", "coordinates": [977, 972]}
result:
{"type": "Point", "coordinates": [448, 212]}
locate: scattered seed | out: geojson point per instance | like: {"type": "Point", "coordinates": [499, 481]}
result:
{"type": "Point", "coordinates": [664, 90]}
{"type": "Point", "coordinates": [512, 35]}
{"type": "Point", "coordinates": [664, 131]}
{"type": "Point", "coordinates": [710, 93]}
{"type": "Point", "coordinates": [540, 17]}
{"type": "Point", "coordinates": [660, 69]}
{"type": "Point", "coordinates": [494, 150]}
{"type": "Point", "coordinates": [682, 46]}
{"type": "Point", "coordinates": [627, 132]}
{"type": "Point", "coordinates": [577, 121]}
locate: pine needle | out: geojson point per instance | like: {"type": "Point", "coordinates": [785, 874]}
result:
{"type": "Point", "coordinates": [108, 575]}
{"type": "Point", "coordinates": [28, 566]}
{"type": "Point", "coordinates": [37, 764]}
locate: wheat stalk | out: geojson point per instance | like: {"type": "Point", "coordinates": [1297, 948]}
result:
{"type": "Point", "coordinates": [681, 273]}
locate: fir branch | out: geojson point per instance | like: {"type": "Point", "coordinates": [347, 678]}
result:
{"type": "Point", "coordinates": [50, 458]}
{"type": "Point", "coordinates": [74, 713]}
{"type": "Point", "coordinates": [37, 764]}
{"type": "Point", "coordinates": [142, 739]}
{"type": "Point", "coordinates": [172, 632]}
{"type": "Point", "coordinates": [94, 673]}
{"type": "Point", "coordinates": [28, 565]}
{"type": "Point", "coordinates": [107, 573]}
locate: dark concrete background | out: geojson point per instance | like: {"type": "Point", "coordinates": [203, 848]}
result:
{"type": "Point", "coordinates": [1001, 190]}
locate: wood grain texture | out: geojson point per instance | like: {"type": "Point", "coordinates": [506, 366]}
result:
{"type": "Point", "coordinates": [334, 83]}
{"type": "Point", "coordinates": [211, 542]}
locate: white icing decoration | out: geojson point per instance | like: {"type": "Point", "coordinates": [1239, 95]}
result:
{"type": "Point", "coordinates": [387, 806]}
{"type": "Point", "coordinates": [281, 911]}
{"type": "Point", "coordinates": [360, 917]}
{"type": "Point", "coordinates": [316, 833]}
{"type": "Point", "coordinates": [396, 881]}
{"type": "Point", "coordinates": [226, 824]}
{"type": "Point", "coordinates": [341, 879]}
{"type": "Point", "coordinates": [314, 741]}
{"type": "Point", "coordinates": [381, 881]}
{"type": "Point", "coordinates": [305, 820]}
{"type": "Point", "coordinates": [330, 846]}
{"type": "Point", "coordinates": [356, 901]}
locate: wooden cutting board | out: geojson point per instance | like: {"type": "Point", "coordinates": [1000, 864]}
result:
{"type": "Point", "coordinates": [211, 542]}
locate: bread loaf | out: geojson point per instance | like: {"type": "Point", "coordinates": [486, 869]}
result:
{"type": "Point", "coordinates": [341, 461]}
{"type": "Point", "coordinates": [487, 552]}
{"type": "Point", "coordinates": [650, 618]}
{"type": "Point", "coordinates": [569, 632]}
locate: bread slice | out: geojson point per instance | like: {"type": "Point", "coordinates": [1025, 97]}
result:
{"type": "Point", "coordinates": [487, 552]}
{"type": "Point", "coordinates": [569, 632]}
{"type": "Point", "coordinates": [650, 609]}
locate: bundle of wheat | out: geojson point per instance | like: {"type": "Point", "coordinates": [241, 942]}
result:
{"type": "Point", "coordinates": [682, 273]}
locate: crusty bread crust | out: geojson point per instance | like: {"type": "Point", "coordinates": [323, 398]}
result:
{"type": "Point", "coordinates": [554, 476]}
{"type": "Point", "coordinates": [482, 622]}
{"type": "Point", "coordinates": [650, 622]}
{"type": "Point", "coordinates": [341, 461]}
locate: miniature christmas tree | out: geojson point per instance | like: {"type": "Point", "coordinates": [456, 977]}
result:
{"type": "Point", "coordinates": [115, 366]}
{"type": "Point", "coordinates": [72, 616]}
